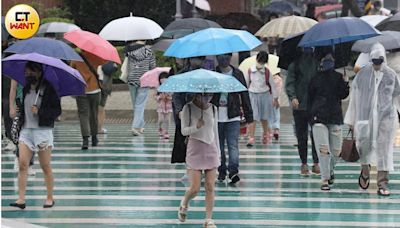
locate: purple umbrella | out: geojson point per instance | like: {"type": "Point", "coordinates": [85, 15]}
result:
{"type": "Point", "coordinates": [65, 80]}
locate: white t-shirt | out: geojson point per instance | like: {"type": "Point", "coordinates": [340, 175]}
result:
{"type": "Point", "coordinates": [223, 106]}
{"type": "Point", "coordinates": [257, 84]}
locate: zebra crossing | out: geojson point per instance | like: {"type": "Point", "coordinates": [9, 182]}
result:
{"type": "Point", "coordinates": [129, 182]}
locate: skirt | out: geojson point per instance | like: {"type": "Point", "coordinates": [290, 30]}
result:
{"type": "Point", "coordinates": [262, 106]}
{"type": "Point", "coordinates": [202, 156]}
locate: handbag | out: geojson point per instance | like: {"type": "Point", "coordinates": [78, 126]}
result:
{"type": "Point", "coordinates": [124, 71]}
{"type": "Point", "coordinates": [349, 150]}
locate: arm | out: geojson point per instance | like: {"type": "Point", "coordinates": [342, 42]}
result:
{"type": "Point", "coordinates": [186, 115]}
{"type": "Point", "coordinates": [343, 88]}
{"type": "Point", "coordinates": [13, 95]}
{"type": "Point", "coordinates": [246, 105]}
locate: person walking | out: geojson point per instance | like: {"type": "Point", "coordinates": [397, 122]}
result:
{"type": "Point", "coordinates": [41, 106]}
{"type": "Point", "coordinates": [164, 108]}
{"type": "Point", "coordinates": [326, 92]}
{"type": "Point", "coordinates": [275, 123]}
{"type": "Point", "coordinates": [140, 60]}
{"type": "Point", "coordinates": [374, 97]}
{"type": "Point", "coordinates": [263, 96]}
{"type": "Point", "coordinates": [200, 124]}
{"type": "Point", "coordinates": [229, 107]}
{"type": "Point", "coordinates": [300, 72]}
{"type": "Point", "coordinates": [88, 104]}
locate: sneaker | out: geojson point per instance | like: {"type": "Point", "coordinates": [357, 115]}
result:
{"type": "Point", "coordinates": [95, 140]}
{"type": "Point", "coordinates": [276, 134]}
{"type": "Point", "coordinates": [250, 143]}
{"type": "Point", "coordinates": [31, 171]}
{"type": "Point", "coordinates": [160, 132]}
{"type": "Point", "coordinates": [16, 164]}
{"type": "Point", "coordinates": [10, 147]}
{"type": "Point", "coordinates": [234, 178]}
{"type": "Point", "coordinates": [304, 170]}
{"type": "Point", "coordinates": [316, 170]}
{"type": "Point", "coordinates": [209, 223]}
{"type": "Point", "coordinates": [166, 136]}
{"type": "Point", "coordinates": [221, 177]}
{"type": "Point", "coordinates": [135, 132]}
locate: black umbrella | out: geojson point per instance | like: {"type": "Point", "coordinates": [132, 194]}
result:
{"type": "Point", "coordinates": [281, 8]}
{"type": "Point", "coordinates": [290, 52]}
{"type": "Point", "coordinates": [162, 45]}
{"type": "Point", "coordinates": [390, 24]}
{"type": "Point", "coordinates": [183, 27]}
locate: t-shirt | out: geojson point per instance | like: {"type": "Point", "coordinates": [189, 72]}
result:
{"type": "Point", "coordinates": [31, 120]}
{"type": "Point", "coordinates": [223, 106]}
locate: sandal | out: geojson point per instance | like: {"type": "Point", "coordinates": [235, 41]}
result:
{"type": "Point", "coordinates": [265, 138]}
{"type": "Point", "coordinates": [365, 179]}
{"type": "Point", "coordinates": [325, 187]}
{"type": "Point", "coordinates": [209, 224]}
{"type": "Point", "coordinates": [250, 143]}
{"type": "Point", "coordinates": [383, 192]}
{"type": "Point", "coordinates": [182, 213]}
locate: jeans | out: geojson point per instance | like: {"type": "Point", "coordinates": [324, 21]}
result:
{"type": "Point", "coordinates": [301, 124]}
{"type": "Point", "coordinates": [139, 98]}
{"type": "Point", "coordinates": [328, 141]}
{"type": "Point", "coordinates": [275, 122]}
{"type": "Point", "coordinates": [229, 131]}
{"type": "Point", "coordinates": [88, 107]}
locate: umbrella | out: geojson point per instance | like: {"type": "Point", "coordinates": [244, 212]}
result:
{"type": "Point", "coordinates": [389, 39]}
{"type": "Point", "coordinates": [373, 20]}
{"type": "Point", "coordinates": [151, 78]}
{"type": "Point", "coordinates": [65, 80]}
{"type": "Point", "coordinates": [57, 27]}
{"type": "Point", "coordinates": [286, 26]}
{"type": "Point", "coordinates": [390, 24]}
{"type": "Point", "coordinates": [183, 27]}
{"type": "Point", "coordinates": [45, 46]}
{"type": "Point", "coordinates": [201, 4]}
{"type": "Point", "coordinates": [94, 44]}
{"type": "Point", "coordinates": [251, 61]}
{"type": "Point", "coordinates": [162, 45]}
{"type": "Point", "coordinates": [325, 9]}
{"type": "Point", "coordinates": [131, 28]}
{"type": "Point", "coordinates": [281, 7]}
{"type": "Point", "coordinates": [212, 41]}
{"type": "Point", "coordinates": [337, 30]}
{"type": "Point", "coordinates": [201, 81]}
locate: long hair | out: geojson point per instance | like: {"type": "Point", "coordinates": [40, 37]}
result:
{"type": "Point", "coordinates": [34, 66]}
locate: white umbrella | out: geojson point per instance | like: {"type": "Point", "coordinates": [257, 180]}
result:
{"type": "Point", "coordinates": [57, 27]}
{"type": "Point", "coordinates": [285, 26]}
{"type": "Point", "coordinates": [373, 20]}
{"type": "Point", "coordinates": [201, 4]}
{"type": "Point", "coordinates": [131, 28]}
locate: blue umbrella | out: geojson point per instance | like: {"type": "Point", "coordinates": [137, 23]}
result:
{"type": "Point", "coordinates": [337, 30]}
{"type": "Point", "coordinates": [281, 7]}
{"type": "Point", "coordinates": [65, 80]}
{"type": "Point", "coordinates": [212, 41]}
{"type": "Point", "coordinates": [201, 81]}
{"type": "Point", "coordinates": [45, 46]}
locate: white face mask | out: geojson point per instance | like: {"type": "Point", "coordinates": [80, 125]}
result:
{"type": "Point", "coordinates": [260, 66]}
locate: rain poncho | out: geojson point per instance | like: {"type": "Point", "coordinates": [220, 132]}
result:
{"type": "Point", "coordinates": [372, 111]}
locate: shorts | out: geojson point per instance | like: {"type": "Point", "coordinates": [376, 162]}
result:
{"type": "Point", "coordinates": [103, 100]}
{"type": "Point", "coordinates": [37, 138]}
{"type": "Point", "coordinates": [262, 106]}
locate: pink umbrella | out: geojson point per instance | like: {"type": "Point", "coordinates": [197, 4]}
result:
{"type": "Point", "coordinates": [150, 78]}
{"type": "Point", "coordinates": [94, 44]}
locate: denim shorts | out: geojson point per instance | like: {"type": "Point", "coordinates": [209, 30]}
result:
{"type": "Point", "coordinates": [37, 138]}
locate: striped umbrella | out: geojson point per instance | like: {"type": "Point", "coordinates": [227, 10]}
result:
{"type": "Point", "coordinates": [286, 26]}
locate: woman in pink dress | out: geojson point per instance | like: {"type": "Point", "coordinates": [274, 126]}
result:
{"type": "Point", "coordinates": [164, 109]}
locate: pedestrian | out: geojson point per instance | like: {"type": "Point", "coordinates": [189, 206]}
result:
{"type": "Point", "coordinates": [275, 123]}
{"type": "Point", "coordinates": [200, 124]}
{"type": "Point", "coordinates": [375, 94]}
{"type": "Point", "coordinates": [41, 106]}
{"type": "Point", "coordinates": [326, 92]}
{"type": "Point", "coordinates": [300, 72]}
{"type": "Point", "coordinates": [88, 104]}
{"type": "Point", "coordinates": [378, 9]}
{"type": "Point", "coordinates": [105, 73]}
{"type": "Point", "coordinates": [263, 96]}
{"type": "Point", "coordinates": [164, 108]}
{"type": "Point", "coordinates": [229, 107]}
{"type": "Point", "coordinates": [140, 60]}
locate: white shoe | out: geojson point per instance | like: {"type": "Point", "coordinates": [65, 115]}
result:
{"type": "Point", "coordinates": [135, 132]}
{"type": "Point", "coordinates": [31, 171]}
{"type": "Point", "coordinates": [209, 223]}
{"type": "Point", "coordinates": [10, 147]}
{"type": "Point", "coordinates": [141, 130]}
{"type": "Point", "coordinates": [16, 164]}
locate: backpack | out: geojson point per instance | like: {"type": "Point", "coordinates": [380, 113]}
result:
{"type": "Point", "coordinates": [266, 78]}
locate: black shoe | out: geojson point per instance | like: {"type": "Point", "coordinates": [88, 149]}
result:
{"type": "Point", "coordinates": [49, 206]}
{"type": "Point", "coordinates": [325, 187]}
{"type": "Point", "coordinates": [95, 140]}
{"type": "Point", "coordinates": [234, 178]}
{"type": "Point", "coordinates": [332, 180]}
{"type": "Point", "coordinates": [20, 206]}
{"type": "Point", "coordinates": [221, 177]}
{"type": "Point", "coordinates": [85, 144]}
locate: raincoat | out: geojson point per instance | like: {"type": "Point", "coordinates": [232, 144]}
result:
{"type": "Point", "coordinates": [374, 98]}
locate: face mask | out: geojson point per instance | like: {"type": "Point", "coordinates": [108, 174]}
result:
{"type": "Point", "coordinates": [31, 80]}
{"type": "Point", "coordinates": [328, 65]}
{"type": "Point", "coordinates": [377, 62]}
{"type": "Point", "coordinates": [206, 99]}
{"type": "Point", "coordinates": [223, 61]}
{"type": "Point", "coordinates": [260, 66]}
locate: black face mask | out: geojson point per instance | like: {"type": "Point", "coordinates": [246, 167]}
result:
{"type": "Point", "coordinates": [31, 80]}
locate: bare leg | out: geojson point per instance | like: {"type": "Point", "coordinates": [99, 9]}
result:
{"type": "Point", "coordinates": [195, 182]}
{"type": "Point", "coordinates": [25, 155]}
{"type": "Point", "coordinates": [210, 194]}
{"type": "Point", "coordinates": [44, 159]}
{"type": "Point", "coordinates": [101, 118]}
{"type": "Point", "coordinates": [252, 129]}
{"type": "Point", "coordinates": [265, 126]}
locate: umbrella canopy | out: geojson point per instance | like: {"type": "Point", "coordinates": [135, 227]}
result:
{"type": "Point", "coordinates": [201, 4]}
{"type": "Point", "coordinates": [327, 8]}
{"type": "Point", "coordinates": [286, 26]}
{"type": "Point", "coordinates": [212, 41]}
{"type": "Point", "coordinates": [65, 80]}
{"type": "Point", "coordinates": [162, 45]}
{"type": "Point", "coordinates": [337, 30]}
{"type": "Point", "coordinates": [389, 39]}
{"type": "Point", "coordinates": [251, 61]}
{"type": "Point", "coordinates": [57, 27]}
{"type": "Point", "coordinates": [239, 20]}
{"type": "Point", "coordinates": [45, 46]}
{"type": "Point", "coordinates": [373, 20]}
{"type": "Point", "coordinates": [183, 27]}
{"type": "Point", "coordinates": [390, 24]}
{"type": "Point", "coordinates": [131, 28]}
{"type": "Point", "coordinates": [94, 44]}
{"type": "Point", "coordinates": [151, 78]}
{"type": "Point", "coordinates": [201, 81]}
{"type": "Point", "coordinates": [281, 7]}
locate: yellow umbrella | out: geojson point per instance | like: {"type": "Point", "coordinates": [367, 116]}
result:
{"type": "Point", "coordinates": [251, 61]}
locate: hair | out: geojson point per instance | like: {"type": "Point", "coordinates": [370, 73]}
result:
{"type": "Point", "coordinates": [34, 66]}
{"type": "Point", "coordinates": [163, 75]}
{"type": "Point", "coordinates": [262, 57]}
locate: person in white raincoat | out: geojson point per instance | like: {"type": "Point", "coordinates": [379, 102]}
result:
{"type": "Point", "coordinates": [372, 114]}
